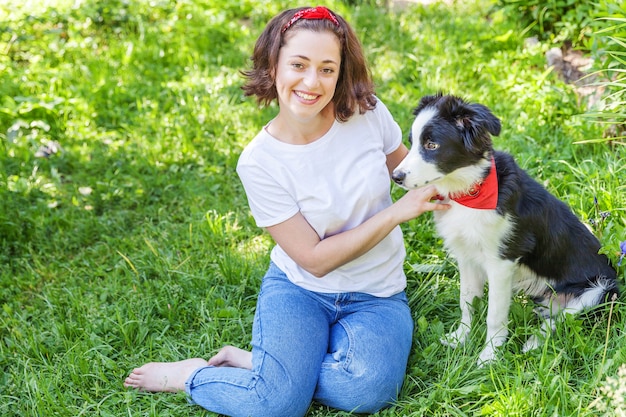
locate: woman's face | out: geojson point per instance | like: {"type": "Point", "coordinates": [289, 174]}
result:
{"type": "Point", "coordinates": [306, 73]}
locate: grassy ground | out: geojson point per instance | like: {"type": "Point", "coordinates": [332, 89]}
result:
{"type": "Point", "coordinates": [131, 241]}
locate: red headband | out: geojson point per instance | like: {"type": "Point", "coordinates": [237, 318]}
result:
{"type": "Point", "coordinates": [314, 13]}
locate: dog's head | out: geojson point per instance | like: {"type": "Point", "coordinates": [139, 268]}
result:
{"type": "Point", "coordinates": [450, 140]}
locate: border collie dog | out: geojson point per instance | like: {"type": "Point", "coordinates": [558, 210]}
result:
{"type": "Point", "coordinates": [503, 228]}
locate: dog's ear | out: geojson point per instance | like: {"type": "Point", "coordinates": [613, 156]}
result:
{"type": "Point", "coordinates": [476, 122]}
{"type": "Point", "coordinates": [487, 119]}
{"type": "Point", "coordinates": [478, 117]}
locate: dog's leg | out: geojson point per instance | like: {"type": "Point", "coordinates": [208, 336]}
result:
{"type": "Point", "coordinates": [534, 341]}
{"type": "Point", "coordinates": [553, 307]}
{"type": "Point", "coordinates": [500, 276]}
{"type": "Point", "coordinates": [472, 286]}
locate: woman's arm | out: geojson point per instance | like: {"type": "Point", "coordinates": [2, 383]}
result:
{"type": "Point", "coordinates": [395, 157]}
{"type": "Point", "coordinates": [321, 256]}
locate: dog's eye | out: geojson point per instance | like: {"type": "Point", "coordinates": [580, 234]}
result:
{"type": "Point", "coordinates": [430, 145]}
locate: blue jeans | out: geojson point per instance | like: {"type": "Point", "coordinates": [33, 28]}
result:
{"type": "Point", "coordinates": [348, 351]}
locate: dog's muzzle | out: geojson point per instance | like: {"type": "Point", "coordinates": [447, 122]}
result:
{"type": "Point", "coordinates": [398, 177]}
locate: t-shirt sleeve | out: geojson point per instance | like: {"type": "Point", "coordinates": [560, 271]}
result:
{"type": "Point", "coordinates": [391, 132]}
{"type": "Point", "coordinates": [270, 203]}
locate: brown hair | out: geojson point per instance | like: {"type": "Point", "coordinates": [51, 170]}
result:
{"type": "Point", "coordinates": [355, 88]}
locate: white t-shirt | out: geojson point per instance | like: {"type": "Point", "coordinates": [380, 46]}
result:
{"type": "Point", "coordinates": [336, 182]}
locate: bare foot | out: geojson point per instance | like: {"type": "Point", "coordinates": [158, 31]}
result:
{"type": "Point", "coordinates": [163, 376]}
{"type": "Point", "coordinates": [233, 357]}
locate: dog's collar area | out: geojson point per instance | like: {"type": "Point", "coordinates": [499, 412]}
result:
{"type": "Point", "coordinates": [482, 195]}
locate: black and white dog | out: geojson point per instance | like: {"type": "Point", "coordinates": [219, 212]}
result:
{"type": "Point", "coordinates": [503, 228]}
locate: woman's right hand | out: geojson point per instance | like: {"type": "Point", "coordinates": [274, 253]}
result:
{"type": "Point", "coordinates": [416, 202]}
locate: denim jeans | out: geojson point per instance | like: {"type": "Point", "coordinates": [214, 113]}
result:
{"type": "Point", "coordinates": [347, 350]}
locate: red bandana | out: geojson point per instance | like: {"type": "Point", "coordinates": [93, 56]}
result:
{"type": "Point", "coordinates": [483, 195]}
{"type": "Point", "coordinates": [313, 13]}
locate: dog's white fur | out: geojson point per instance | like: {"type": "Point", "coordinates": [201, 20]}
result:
{"type": "Point", "coordinates": [477, 238]}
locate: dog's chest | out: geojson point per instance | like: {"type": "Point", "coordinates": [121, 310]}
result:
{"type": "Point", "coordinates": [471, 232]}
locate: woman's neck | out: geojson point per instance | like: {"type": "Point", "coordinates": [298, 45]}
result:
{"type": "Point", "coordinates": [296, 132]}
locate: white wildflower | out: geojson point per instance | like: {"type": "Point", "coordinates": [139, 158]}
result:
{"type": "Point", "coordinates": [612, 395]}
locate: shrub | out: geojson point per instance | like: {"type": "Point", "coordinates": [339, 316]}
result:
{"type": "Point", "coordinates": [555, 20]}
{"type": "Point", "coordinates": [608, 45]}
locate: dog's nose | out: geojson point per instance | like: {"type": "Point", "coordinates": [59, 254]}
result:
{"type": "Point", "coordinates": [398, 177]}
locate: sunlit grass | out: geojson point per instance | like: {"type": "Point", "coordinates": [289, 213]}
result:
{"type": "Point", "coordinates": [14, 10]}
{"type": "Point", "coordinates": [125, 235]}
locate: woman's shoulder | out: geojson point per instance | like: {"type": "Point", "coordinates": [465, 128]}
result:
{"type": "Point", "coordinates": [381, 107]}
{"type": "Point", "coordinates": [379, 111]}
{"type": "Point", "coordinates": [378, 115]}
{"type": "Point", "coordinates": [254, 147]}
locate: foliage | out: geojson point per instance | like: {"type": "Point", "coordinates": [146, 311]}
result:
{"type": "Point", "coordinates": [125, 235]}
{"type": "Point", "coordinates": [556, 20]}
{"type": "Point", "coordinates": [609, 47]}
{"type": "Point", "coordinates": [597, 26]}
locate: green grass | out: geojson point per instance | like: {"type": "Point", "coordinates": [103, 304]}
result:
{"type": "Point", "coordinates": [134, 243]}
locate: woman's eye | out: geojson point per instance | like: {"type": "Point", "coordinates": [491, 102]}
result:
{"type": "Point", "coordinates": [430, 145]}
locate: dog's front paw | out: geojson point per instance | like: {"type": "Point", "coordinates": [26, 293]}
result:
{"type": "Point", "coordinates": [457, 337]}
{"type": "Point", "coordinates": [487, 356]}
{"type": "Point", "coordinates": [532, 343]}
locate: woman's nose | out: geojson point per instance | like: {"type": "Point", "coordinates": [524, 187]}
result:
{"type": "Point", "coordinates": [311, 79]}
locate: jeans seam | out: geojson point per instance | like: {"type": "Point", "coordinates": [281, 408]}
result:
{"type": "Point", "coordinates": [350, 351]}
{"type": "Point", "coordinates": [345, 364]}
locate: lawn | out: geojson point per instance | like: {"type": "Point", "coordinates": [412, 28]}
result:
{"type": "Point", "coordinates": [125, 235]}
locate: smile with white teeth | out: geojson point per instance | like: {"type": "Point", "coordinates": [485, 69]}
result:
{"type": "Point", "coordinates": [306, 96]}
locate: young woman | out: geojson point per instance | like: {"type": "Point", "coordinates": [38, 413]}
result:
{"type": "Point", "coordinates": [332, 322]}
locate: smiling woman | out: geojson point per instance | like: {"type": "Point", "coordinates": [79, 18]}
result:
{"type": "Point", "coordinates": [332, 321]}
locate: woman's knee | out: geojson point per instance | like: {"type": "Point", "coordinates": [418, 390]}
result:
{"type": "Point", "coordinates": [277, 403]}
{"type": "Point", "coordinates": [368, 397]}
{"type": "Point", "coordinates": [366, 390]}
{"type": "Point", "coordinates": [364, 372]}
{"type": "Point", "coordinates": [287, 403]}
